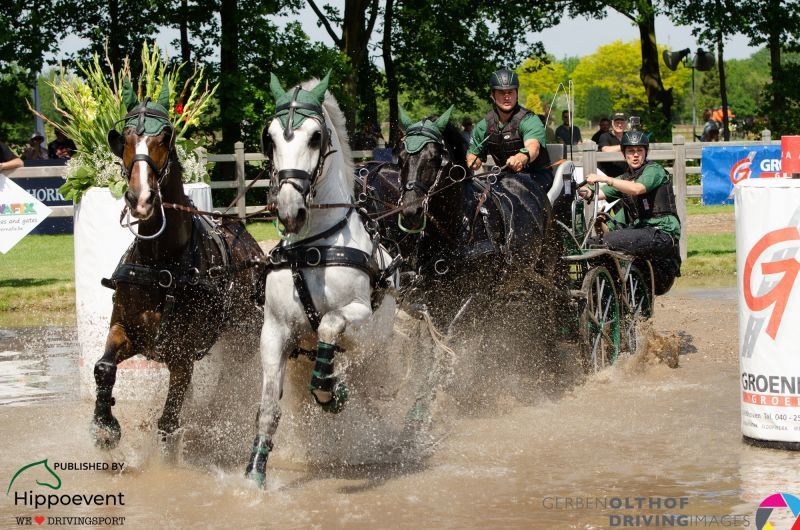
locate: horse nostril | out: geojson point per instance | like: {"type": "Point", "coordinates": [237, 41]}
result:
{"type": "Point", "coordinates": [301, 216]}
{"type": "Point", "coordinates": [150, 198]}
{"type": "Point", "coordinates": [130, 197]}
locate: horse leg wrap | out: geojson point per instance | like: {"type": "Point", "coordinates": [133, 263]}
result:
{"type": "Point", "coordinates": [326, 389]}
{"type": "Point", "coordinates": [105, 375]}
{"type": "Point", "coordinates": [257, 466]}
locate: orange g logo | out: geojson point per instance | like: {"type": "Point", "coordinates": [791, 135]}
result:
{"type": "Point", "coordinates": [780, 293]}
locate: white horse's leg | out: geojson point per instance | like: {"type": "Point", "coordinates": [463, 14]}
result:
{"type": "Point", "coordinates": [274, 345]}
{"type": "Point", "coordinates": [327, 390]}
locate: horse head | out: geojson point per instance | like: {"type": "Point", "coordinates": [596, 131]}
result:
{"type": "Point", "coordinates": [146, 146]}
{"type": "Point", "coordinates": [423, 157]}
{"type": "Point", "coordinates": [296, 141]}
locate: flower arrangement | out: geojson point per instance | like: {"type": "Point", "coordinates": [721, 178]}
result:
{"type": "Point", "coordinates": [92, 107]}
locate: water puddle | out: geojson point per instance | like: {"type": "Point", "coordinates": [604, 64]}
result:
{"type": "Point", "coordinates": [639, 439]}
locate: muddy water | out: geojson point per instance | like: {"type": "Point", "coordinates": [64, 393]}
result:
{"type": "Point", "coordinates": [554, 456]}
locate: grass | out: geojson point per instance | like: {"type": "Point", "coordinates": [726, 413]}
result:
{"type": "Point", "coordinates": [37, 282]}
{"type": "Point", "coordinates": [711, 255]}
{"type": "Point", "coordinates": [699, 209]}
{"type": "Point", "coordinates": [37, 285]}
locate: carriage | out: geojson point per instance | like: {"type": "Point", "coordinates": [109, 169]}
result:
{"type": "Point", "coordinates": [611, 292]}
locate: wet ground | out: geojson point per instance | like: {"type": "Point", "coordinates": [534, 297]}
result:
{"type": "Point", "coordinates": [637, 440]}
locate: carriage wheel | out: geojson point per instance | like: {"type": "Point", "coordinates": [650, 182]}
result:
{"type": "Point", "coordinates": [599, 322]}
{"type": "Point", "coordinates": [638, 305]}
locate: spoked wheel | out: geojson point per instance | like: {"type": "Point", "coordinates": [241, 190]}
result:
{"type": "Point", "coordinates": [599, 322]}
{"type": "Point", "coordinates": [638, 305]}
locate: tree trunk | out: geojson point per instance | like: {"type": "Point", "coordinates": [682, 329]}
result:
{"type": "Point", "coordinates": [230, 82]}
{"type": "Point", "coordinates": [356, 32]}
{"type": "Point", "coordinates": [391, 77]}
{"type": "Point", "coordinates": [778, 99]}
{"type": "Point", "coordinates": [723, 89]}
{"type": "Point", "coordinates": [186, 51]}
{"type": "Point", "coordinates": [650, 74]}
{"type": "Point", "coordinates": [115, 52]}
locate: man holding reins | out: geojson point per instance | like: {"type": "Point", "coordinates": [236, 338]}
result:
{"type": "Point", "coordinates": [510, 133]}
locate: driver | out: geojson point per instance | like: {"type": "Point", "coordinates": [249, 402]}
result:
{"type": "Point", "coordinates": [645, 191]}
{"type": "Point", "coordinates": [513, 135]}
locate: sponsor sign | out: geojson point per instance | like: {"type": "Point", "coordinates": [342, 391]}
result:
{"type": "Point", "coordinates": [725, 166]}
{"type": "Point", "coordinates": [768, 265]}
{"type": "Point", "coordinates": [20, 212]}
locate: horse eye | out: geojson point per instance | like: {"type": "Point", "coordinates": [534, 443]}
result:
{"type": "Point", "coordinates": [316, 139]}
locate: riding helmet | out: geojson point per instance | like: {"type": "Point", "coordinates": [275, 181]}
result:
{"type": "Point", "coordinates": [633, 138]}
{"type": "Point", "coordinates": [504, 79]}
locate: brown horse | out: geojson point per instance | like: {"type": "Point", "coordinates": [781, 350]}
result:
{"type": "Point", "coordinates": [183, 282]}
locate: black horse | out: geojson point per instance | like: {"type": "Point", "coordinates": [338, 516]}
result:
{"type": "Point", "coordinates": [483, 240]}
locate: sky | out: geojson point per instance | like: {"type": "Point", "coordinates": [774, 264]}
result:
{"type": "Point", "coordinates": [572, 37]}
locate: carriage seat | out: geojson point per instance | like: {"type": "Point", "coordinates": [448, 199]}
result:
{"type": "Point", "coordinates": [562, 173]}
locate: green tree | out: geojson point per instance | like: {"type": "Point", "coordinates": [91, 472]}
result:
{"type": "Point", "coordinates": [776, 24]}
{"type": "Point", "coordinates": [642, 13]}
{"type": "Point", "coordinates": [615, 67]}
{"type": "Point", "coordinates": [541, 78]}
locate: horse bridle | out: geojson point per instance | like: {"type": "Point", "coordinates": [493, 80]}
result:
{"type": "Point", "coordinates": [421, 188]}
{"type": "Point", "coordinates": [142, 112]}
{"type": "Point", "coordinates": [290, 176]}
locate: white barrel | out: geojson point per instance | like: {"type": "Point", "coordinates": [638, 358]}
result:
{"type": "Point", "coordinates": [100, 242]}
{"type": "Point", "coordinates": [768, 263]}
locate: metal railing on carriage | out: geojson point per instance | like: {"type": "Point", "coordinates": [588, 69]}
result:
{"type": "Point", "coordinates": [584, 155]}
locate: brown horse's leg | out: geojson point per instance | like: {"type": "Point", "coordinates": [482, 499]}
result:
{"type": "Point", "coordinates": [180, 375]}
{"type": "Point", "coordinates": [105, 426]}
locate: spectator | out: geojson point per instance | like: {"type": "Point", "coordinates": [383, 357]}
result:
{"type": "Point", "coordinates": [8, 160]}
{"type": "Point", "coordinates": [61, 147]}
{"type": "Point", "coordinates": [609, 142]}
{"type": "Point", "coordinates": [710, 129]}
{"type": "Point", "coordinates": [35, 149]}
{"type": "Point", "coordinates": [566, 133]}
{"type": "Point", "coordinates": [549, 133]}
{"type": "Point", "coordinates": [605, 125]}
{"type": "Point", "coordinates": [466, 126]}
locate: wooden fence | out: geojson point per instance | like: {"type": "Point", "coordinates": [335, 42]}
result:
{"type": "Point", "coordinates": [584, 155]}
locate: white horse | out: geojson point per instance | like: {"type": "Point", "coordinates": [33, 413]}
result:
{"type": "Point", "coordinates": [321, 278]}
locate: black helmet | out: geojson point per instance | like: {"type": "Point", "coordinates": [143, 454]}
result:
{"type": "Point", "coordinates": [504, 79]}
{"type": "Point", "coordinates": [633, 138]}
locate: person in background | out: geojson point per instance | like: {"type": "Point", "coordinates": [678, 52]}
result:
{"type": "Point", "coordinates": [466, 129]}
{"type": "Point", "coordinates": [35, 149]}
{"type": "Point", "coordinates": [605, 125]}
{"type": "Point", "coordinates": [8, 160]}
{"type": "Point", "coordinates": [710, 129]}
{"type": "Point", "coordinates": [609, 142]}
{"type": "Point", "coordinates": [549, 133]}
{"type": "Point", "coordinates": [567, 133]}
{"type": "Point", "coordinates": [61, 147]}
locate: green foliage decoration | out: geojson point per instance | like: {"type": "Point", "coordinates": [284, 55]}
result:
{"type": "Point", "coordinates": [90, 108]}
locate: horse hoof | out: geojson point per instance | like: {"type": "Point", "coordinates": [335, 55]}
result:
{"type": "Point", "coordinates": [260, 479]}
{"type": "Point", "coordinates": [337, 401]}
{"type": "Point", "coordinates": [106, 433]}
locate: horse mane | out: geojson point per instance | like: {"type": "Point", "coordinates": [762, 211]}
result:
{"type": "Point", "coordinates": [454, 141]}
{"type": "Point", "coordinates": [339, 125]}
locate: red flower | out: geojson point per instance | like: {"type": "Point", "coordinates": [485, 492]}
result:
{"type": "Point", "coordinates": [179, 108]}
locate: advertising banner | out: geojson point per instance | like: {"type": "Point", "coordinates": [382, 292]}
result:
{"type": "Point", "coordinates": [20, 212]}
{"type": "Point", "coordinates": [723, 167]}
{"type": "Point", "coordinates": [768, 263]}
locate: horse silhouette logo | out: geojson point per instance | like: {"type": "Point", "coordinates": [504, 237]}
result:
{"type": "Point", "coordinates": [46, 466]}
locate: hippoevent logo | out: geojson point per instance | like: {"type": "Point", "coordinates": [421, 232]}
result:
{"type": "Point", "coordinates": [780, 508]}
{"type": "Point", "coordinates": [46, 476]}
{"type": "Point", "coordinates": [778, 296]}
